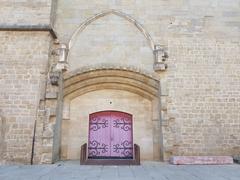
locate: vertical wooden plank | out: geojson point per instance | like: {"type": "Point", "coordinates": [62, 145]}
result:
{"type": "Point", "coordinates": [121, 135]}
{"type": "Point", "coordinates": [99, 135]}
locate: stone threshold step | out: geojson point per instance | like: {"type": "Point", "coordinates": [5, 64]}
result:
{"type": "Point", "coordinates": [201, 160]}
{"type": "Point", "coordinates": [110, 162]}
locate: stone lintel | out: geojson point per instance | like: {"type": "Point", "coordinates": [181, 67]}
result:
{"type": "Point", "coordinates": [204, 160]}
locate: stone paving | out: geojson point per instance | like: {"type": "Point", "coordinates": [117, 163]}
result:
{"type": "Point", "coordinates": [147, 171]}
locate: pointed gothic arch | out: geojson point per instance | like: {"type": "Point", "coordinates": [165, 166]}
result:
{"type": "Point", "coordinates": [127, 17]}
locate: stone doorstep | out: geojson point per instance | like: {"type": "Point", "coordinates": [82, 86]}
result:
{"type": "Point", "coordinates": [201, 160]}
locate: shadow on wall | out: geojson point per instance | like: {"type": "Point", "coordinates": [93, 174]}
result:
{"type": "Point", "coordinates": [2, 135]}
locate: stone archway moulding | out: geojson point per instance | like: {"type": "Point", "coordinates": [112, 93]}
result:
{"type": "Point", "coordinates": [72, 84]}
{"type": "Point", "coordinates": [117, 13]}
{"type": "Point", "coordinates": [107, 77]}
{"type": "Point", "coordinates": [84, 80]}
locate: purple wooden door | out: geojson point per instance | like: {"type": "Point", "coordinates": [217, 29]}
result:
{"type": "Point", "coordinates": [99, 131]}
{"type": "Point", "coordinates": [110, 135]}
{"type": "Point", "coordinates": [121, 135]}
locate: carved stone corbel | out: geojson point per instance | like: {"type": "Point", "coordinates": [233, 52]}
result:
{"type": "Point", "coordinates": [160, 58]}
{"type": "Point", "coordinates": [61, 53]}
{"type": "Point", "coordinates": [54, 77]}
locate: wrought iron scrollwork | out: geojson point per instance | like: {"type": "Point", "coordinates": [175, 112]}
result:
{"type": "Point", "coordinates": [123, 124]}
{"type": "Point", "coordinates": [125, 148]}
{"type": "Point", "coordinates": [97, 123]}
{"type": "Point", "coordinates": [95, 148]}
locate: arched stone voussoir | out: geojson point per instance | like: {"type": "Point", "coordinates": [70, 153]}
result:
{"type": "Point", "coordinates": [130, 80]}
{"type": "Point", "coordinates": [116, 68]}
{"type": "Point", "coordinates": [116, 80]}
{"type": "Point", "coordinates": [115, 86]}
{"type": "Point", "coordinates": [127, 73]}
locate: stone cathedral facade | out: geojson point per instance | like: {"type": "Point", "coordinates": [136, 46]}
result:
{"type": "Point", "coordinates": [173, 65]}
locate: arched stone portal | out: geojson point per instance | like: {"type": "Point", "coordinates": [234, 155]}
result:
{"type": "Point", "coordinates": [86, 92]}
{"type": "Point", "coordinates": [115, 72]}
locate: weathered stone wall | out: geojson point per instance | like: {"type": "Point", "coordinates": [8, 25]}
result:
{"type": "Point", "coordinates": [23, 69]}
{"type": "Point", "coordinates": [203, 97]}
{"type": "Point", "coordinates": [118, 42]}
{"type": "Point", "coordinates": [199, 91]}
{"type": "Point", "coordinates": [162, 19]}
{"type": "Point", "coordinates": [200, 88]}
{"type": "Point", "coordinates": [27, 12]}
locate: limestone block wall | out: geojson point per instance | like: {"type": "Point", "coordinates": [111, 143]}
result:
{"type": "Point", "coordinates": [25, 13]}
{"type": "Point", "coordinates": [162, 19]}
{"type": "Point", "coordinates": [118, 41]}
{"type": "Point", "coordinates": [200, 89]}
{"type": "Point", "coordinates": [203, 97]}
{"type": "Point", "coordinates": [23, 70]}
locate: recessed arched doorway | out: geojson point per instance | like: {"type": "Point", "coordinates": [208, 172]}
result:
{"type": "Point", "coordinates": [131, 94]}
{"type": "Point", "coordinates": [110, 135]}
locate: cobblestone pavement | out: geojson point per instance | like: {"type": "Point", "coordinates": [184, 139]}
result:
{"type": "Point", "coordinates": [148, 170]}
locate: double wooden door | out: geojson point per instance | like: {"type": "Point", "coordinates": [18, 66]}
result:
{"type": "Point", "coordinates": [110, 135]}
